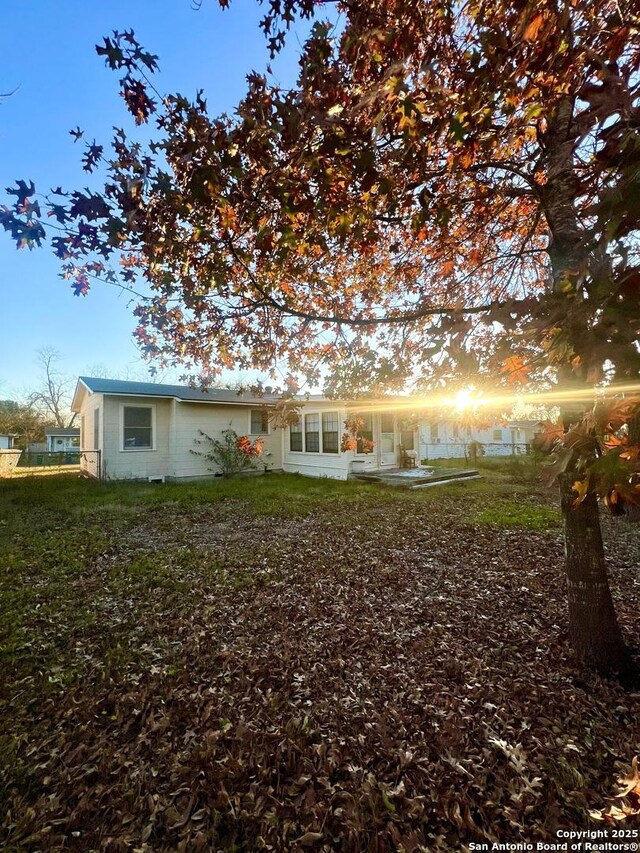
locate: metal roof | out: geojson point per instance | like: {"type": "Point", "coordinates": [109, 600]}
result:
{"type": "Point", "coordinates": [179, 392]}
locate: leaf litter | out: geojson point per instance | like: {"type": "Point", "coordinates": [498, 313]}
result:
{"type": "Point", "coordinates": [387, 677]}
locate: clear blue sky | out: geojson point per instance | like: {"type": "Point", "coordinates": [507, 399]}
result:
{"type": "Point", "coordinates": [47, 54]}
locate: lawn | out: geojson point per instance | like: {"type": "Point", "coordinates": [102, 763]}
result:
{"type": "Point", "coordinates": [288, 664]}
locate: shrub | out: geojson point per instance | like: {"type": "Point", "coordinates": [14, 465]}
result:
{"type": "Point", "coordinates": [231, 455]}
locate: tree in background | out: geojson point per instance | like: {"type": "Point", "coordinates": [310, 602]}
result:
{"type": "Point", "coordinates": [23, 421]}
{"type": "Point", "coordinates": [53, 398]}
{"type": "Point", "coordinates": [449, 189]}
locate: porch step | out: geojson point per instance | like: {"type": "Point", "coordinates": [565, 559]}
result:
{"type": "Point", "coordinates": [439, 480]}
{"type": "Point", "coordinates": [404, 482]}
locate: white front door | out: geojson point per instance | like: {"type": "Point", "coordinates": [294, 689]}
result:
{"type": "Point", "coordinates": [388, 453]}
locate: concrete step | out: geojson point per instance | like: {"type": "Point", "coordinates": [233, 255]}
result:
{"type": "Point", "coordinates": [403, 481]}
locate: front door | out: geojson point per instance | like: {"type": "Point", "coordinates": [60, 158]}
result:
{"type": "Point", "coordinates": [388, 454]}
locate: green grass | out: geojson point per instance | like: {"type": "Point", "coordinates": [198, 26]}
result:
{"type": "Point", "coordinates": [57, 535]}
{"type": "Point", "coordinates": [517, 515]}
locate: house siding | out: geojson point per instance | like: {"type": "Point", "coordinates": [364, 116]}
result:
{"type": "Point", "coordinates": [89, 461]}
{"type": "Point", "coordinates": [335, 466]}
{"type": "Point", "coordinates": [448, 445]}
{"type": "Point", "coordinates": [119, 464]}
{"type": "Point", "coordinates": [213, 419]}
{"type": "Point", "coordinates": [176, 426]}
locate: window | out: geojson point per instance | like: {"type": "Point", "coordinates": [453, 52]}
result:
{"type": "Point", "coordinates": [295, 436]}
{"type": "Point", "coordinates": [312, 433]}
{"type": "Point", "coordinates": [330, 427]}
{"type": "Point", "coordinates": [435, 438]}
{"type": "Point", "coordinates": [96, 429]}
{"type": "Point", "coordinates": [497, 435]}
{"type": "Point", "coordinates": [259, 422]}
{"type": "Point", "coordinates": [456, 431]}
{"type": "Point", "coordinates": [407, 439]}
{"type": "Point", "coordinates": [386, 423]}
{"type": "Point", "coordinates": [366, 433]}
{"type": "Point", "coordinates": [137, 428]}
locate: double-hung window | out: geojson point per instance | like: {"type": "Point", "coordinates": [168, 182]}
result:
{"type": "Point", "coordinates": [365, 433]}
{"type": "Point", "coordinates": [330, 428]}
{"type": "Point", "coordinates": [137, 428]}
{"type": "Point", "coordinates": [259, 422]}
{"type": "Point", "coordinates": [312, 433]}
{"type": "Point", "coordinates": [295, 436]}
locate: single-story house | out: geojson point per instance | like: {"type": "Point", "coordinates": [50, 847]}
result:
{"type": "Point", "coordinates": [62, 439]}
{"type": "Point", "coordinates": [448, 439]}
{"type": "Point", "coordinates": [6, 441]}
{"type": "Point", "coordinates": [143, 430]}
{"type": "Point", "coordinates": [9, 455]}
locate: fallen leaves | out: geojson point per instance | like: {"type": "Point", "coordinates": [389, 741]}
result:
{"type": "Point", "coordinates": [378, 674]}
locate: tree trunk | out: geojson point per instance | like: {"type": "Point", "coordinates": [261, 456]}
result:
{"type": "Point", "coordinates": [593, 626]}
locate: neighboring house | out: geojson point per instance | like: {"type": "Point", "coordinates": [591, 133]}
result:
{"type": "Point", "coordinates": [62, 440]}
{"type": "Point", "coordinates": [448, 439]}
{"type": "Point", "coordinates": [6, 441]}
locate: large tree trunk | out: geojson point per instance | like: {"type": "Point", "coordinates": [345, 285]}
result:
{"type": "Point", "coordinates": [593, 626]}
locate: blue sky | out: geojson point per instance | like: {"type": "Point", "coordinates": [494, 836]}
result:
{"type": "Point", "coordinates": [48, 57]}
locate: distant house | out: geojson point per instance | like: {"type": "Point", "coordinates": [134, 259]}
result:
{"type": "Point", "coordinates": [6, 441]}
{"type": "Point", "coordinates": [448, 439]}
{"type": "Point", "coordinates": [62, 440]}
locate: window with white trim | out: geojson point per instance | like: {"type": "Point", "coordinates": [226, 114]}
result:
{"type": "Point", "coordinates": [312, 433]}
{"type": "Point", "coordinates": [330, 432]}
{"type": "Point", "coordinates": [295, 436]}
{"type": "Point", "coordinates": [259, 422]}
{"type": "Point", "coordinates": [137, 428]}
{"type": "Point", "coordinates": [365, 434]}
{"type": "Point", "coordinates": [497, 435]}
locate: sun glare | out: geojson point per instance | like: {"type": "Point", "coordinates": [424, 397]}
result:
{"type": "Point", "coordinates": [464, 399]}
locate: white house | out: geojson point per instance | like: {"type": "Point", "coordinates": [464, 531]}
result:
{"type": "Point", "coordinates": [448, 439]}
{"type": "Point", "coordinates": [62, 439]}
{"type": "Point", "coordinates": [6, 441]}
{"type": "Point", "coordinates": [141, 430]}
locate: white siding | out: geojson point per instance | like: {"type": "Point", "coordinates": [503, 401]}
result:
{"type": "Point", "coordinates": [443, 442]}
{"type": "Point", "coordinates": [336, 466]}
{"type": "Point", "coordinates": [213, 419]}
{"type": "Point", "coordinates": [89, 461]}
{"type": "Point", "coordinates": [120, 464]}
